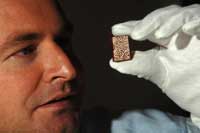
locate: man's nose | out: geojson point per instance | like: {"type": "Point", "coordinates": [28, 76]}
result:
{"type": "Point", "coordinates": [57, 64]}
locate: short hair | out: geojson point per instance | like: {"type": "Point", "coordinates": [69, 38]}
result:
{"type": "Point", "coordinates": [62, 14]}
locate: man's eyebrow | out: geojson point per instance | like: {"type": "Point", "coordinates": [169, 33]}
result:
{"type": "Point", "coordinates": [24, 37]}
{"type": "Point", "coordinates": [16, 38]}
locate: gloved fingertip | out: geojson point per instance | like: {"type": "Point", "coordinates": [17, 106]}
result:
{"type": "Point", "coordinates": [112, 64]}
{"type": "Point", "coordinates": [118, 66]}
{"type": "Point", "coordinates": [115, 66]}
{"type": "Point", "coordinates": [120, 30]}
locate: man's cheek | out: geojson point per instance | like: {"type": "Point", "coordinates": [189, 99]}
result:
{"type": "Point", "coordinates": [13, 116]}
{"type": "Point", "coordinates": [16, 90]}
{"type": "Point", "coordinates": [12, 101]}
{"type": "Point", "coordinates": [19, 83]}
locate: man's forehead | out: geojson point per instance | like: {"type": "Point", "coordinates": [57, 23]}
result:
{"type": "Point", "coordinates": [20, 15]}
{"type": "Point", "coordinates": [24, 7]}
{"type": "Point", "coordinates": [24, 2]}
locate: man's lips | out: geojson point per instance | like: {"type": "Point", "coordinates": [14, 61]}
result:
{"type": "Point", "coordinates": [60, 94]}
{"type": "Point", "coordinates": [60, 101]}
{"type": "Point", "coordinates": [60, 97]}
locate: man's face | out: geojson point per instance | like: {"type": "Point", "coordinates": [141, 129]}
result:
{"type": "Point", "coordinates": [34, 71]}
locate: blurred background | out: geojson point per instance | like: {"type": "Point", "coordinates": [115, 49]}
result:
{"type": "Point", "coordinates": [105, 87]}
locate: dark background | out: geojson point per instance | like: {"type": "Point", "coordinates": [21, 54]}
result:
{"type": "Point", "coordinates": [106, 87]}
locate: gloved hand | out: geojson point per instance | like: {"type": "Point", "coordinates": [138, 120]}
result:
{"type": "Point", "coordinates": [175, 64]}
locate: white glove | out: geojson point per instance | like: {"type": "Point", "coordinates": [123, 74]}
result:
{"type": "Point", "coordinates": [174, 67]}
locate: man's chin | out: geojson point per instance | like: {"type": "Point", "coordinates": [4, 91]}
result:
{"type": "Point", "coordinates": [63, 121]}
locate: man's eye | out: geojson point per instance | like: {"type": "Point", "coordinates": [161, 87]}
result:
{"type": "Point", "coordinates": [26, 51]}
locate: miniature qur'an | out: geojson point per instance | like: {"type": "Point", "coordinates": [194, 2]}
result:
{"type": "Point", "coordinates": [121, 49]}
